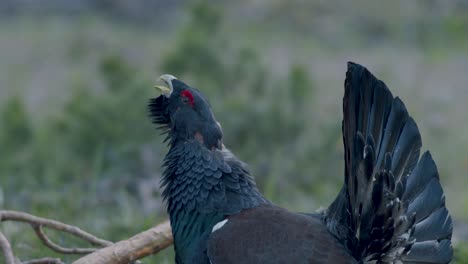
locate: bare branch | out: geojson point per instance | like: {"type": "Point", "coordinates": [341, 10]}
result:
{"type": "Point", "coordinates": [57, 248]}
{"type": "Point", "coordinates": [6, 215]}
{"type": "Point", "coordinates": [6, 249]}
{"type": "Point", "coordinates": [136, 247]}
{"type": "Point", "coordinates": [44, 261]}
{"type": "Point", "coordinates": [126, 251]}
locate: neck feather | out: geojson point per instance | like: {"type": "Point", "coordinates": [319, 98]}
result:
{"type": "Point", "coordinates": [201, 187]}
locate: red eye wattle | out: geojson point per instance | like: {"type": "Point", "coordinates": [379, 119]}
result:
{"type": "Point", "coordinates": [187, 94]}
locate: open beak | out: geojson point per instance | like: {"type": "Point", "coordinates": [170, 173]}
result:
{"type": "Point", "coordinates": [166, 90]}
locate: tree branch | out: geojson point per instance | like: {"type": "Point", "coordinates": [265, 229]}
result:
{"type": "Point", "coordinates": [6, 215]}
{"type": "Point", "coordinates": [44, 261]}
{"type": "Point", "coordinates": [136, 247]}
{"type": "Point", "coordinates": [126, 251]}
{"type": "Point", "coordinates": [57, 248]}
{"type": "Point", "coordinates": [6, 249]}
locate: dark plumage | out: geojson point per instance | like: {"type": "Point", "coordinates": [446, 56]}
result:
{"type": "Point", "coordinates": [391, 208]}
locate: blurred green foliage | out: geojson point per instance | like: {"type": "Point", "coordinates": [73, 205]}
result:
{"type": "Point", "coordinates": [96, 162]}
{"type": "Point", "coordinates": [461, 253]}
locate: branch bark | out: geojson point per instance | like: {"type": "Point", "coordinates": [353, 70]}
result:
{"type": "Point", "coordinates": [44, 261]}
{"type": "Point", "coordinates": [6, 215]}
{"type": "Point", "coordinates": [139, 246]}
{"type": "Point", "coordinates": [57, 248]}
{"type": "Point", "coordinates": [6, 249]}
{"type": "Point", "coordinates": [123, 252]}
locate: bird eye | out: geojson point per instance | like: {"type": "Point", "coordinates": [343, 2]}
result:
{"type": "Point", "coordinates": [187, 97]}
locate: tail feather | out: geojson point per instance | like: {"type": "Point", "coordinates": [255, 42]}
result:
{"type": "Point", "coordinates": [430, 252]}
{"type": "Point", "coordinates": [392, 207]}
{"type": "Point", "coordinates": [406, 152]}
{"type": "Point", "coordinates": [435, 227]}
{"type": "Point", "coordinates": [396, 120]}
{"type": "Point", "coordinates": [427, 201]}
{"type": "Point", "coordinates": [420, 177]}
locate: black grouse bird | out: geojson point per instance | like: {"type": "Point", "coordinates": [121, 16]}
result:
{"type": "Point", "coordinates": [391, 208]}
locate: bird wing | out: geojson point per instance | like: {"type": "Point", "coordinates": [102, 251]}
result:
{"type": "Point", "coordinates": [269, 234]}
{"type": "Point", "coordinates": [391, 207]}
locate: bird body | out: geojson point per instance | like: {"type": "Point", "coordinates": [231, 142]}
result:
{"type": "Point", "coordinates": [391, 208]}
{"type": "Point", "coordinates": [270, 234]}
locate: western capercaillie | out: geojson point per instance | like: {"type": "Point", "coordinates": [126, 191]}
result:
{"type": "Point", "coordinates": [391, 208]}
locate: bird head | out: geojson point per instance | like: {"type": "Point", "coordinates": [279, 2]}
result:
{"type": "Point", "coordinates": [185, 114]}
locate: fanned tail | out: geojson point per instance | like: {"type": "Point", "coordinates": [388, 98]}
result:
{"type": "Point", "coordinates": [391, 208]}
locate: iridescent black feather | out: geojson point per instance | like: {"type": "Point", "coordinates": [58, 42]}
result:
{"type": "Point", "coordinates": [391, 208]}
{"type": "Point", "coordinates": [201, 187]}
{"type": "Point", "coordinates": [158, 112]}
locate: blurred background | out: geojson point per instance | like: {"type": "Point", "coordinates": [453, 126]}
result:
{"type": "Point", "coordinates": [76, 144]}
